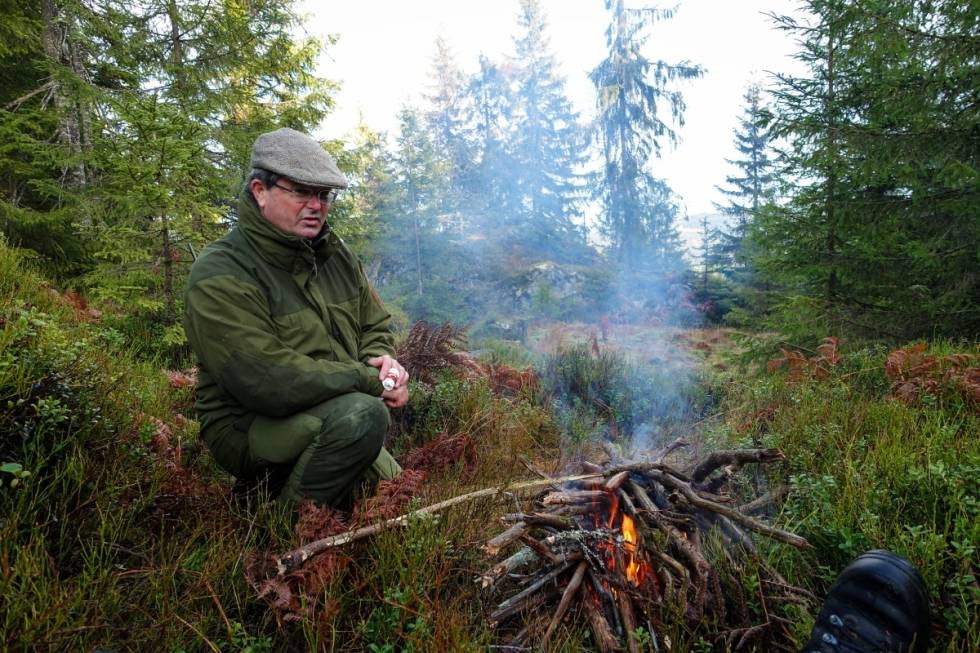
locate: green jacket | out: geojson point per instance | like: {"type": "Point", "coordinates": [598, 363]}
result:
{"type": "Point", "coordinates": [280, 323]}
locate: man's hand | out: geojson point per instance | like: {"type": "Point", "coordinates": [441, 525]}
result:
{"type": "Point", "coordinates": [395, 398]}
{"type": "Point", "coordinates": [390, 368]}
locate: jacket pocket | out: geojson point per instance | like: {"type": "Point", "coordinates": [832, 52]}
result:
{"type": "Point", "coordinates": [302, 331]}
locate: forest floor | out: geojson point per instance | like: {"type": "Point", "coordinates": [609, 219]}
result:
{"type": "Point", "coordinates": [120, 534]}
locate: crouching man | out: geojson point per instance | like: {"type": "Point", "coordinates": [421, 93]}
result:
{"type": "Point", "coordinates": [291, 340]}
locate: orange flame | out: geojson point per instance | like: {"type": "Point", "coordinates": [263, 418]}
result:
{"type": "Point", "coordinates": [613, 510]}
{"type": "Point", "coordinates": [633, 566]}
{"type": "Point", "coordinates": [637, 569]}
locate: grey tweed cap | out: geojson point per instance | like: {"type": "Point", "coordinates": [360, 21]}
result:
{"type": "Point", "coordinates": [293, 154]}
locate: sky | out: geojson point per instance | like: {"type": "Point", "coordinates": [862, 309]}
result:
{"type": "Point", "coordinates": [383, 60]}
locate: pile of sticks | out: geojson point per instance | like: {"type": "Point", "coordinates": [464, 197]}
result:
{"type": "Point", "coordinates": [628, 549]}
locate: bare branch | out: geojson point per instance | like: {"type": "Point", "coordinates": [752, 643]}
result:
{"type": "Point", "coordinates": [297, 557]}
{"type": "Point", "coordinates": [735, 457]}
{"type": "Point", "coordinates": [43, 88]}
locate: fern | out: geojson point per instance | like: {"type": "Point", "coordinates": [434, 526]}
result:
{"type": "Point", "coordinates": [816, 367]}
{"type": "Point", "coordinates": [914, 372]}
{"type": "Point", "coordinates": [428, 350]}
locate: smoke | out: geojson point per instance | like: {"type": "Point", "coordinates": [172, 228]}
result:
{"type": "Point", "coordinates": [491, 211]}
{"type": "Point", "coordinates": [635, 389]}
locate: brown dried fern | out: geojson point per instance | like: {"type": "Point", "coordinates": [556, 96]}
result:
{"type": "Point", "coordinates": [915, 372]}
{"type": "Point", "coordinates": [296, 595]}
{"type": "Point", "coordinates": [428, 350]}
{"type": "Point", "coordinates": [442, 453]}
{"type": "Point", "coordinates": [391, 498]}
{"type": "Point", "coordinates": [816, 367]}
{"type": "Point", "coordinates": [506, 380]}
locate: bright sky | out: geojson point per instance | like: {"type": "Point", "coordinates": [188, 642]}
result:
{"type": "Point", "coordinates": [384, 59]}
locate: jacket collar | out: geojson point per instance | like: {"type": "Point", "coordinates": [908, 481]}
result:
{"type": "Point", "coordinates": [279, 248]}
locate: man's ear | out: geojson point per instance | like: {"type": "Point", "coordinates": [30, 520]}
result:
{"type": "Point", "coordinates": [258, 192]}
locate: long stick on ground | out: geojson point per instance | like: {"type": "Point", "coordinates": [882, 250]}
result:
{"type": "Point", "coordinates": [292, 559]}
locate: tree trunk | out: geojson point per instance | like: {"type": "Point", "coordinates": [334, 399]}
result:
{"type": "Point", "coordinates": [831, 185]}
{"type": "Point", "coordinates": [418, 240]}
{"type": "Point", "coordinates": [706, 244]}
{"type": "Point", "coordinates": [181, 87]}
{"type": "Point", "coordinates": [61, 52]}
{"type": "Point", "coordinates": [168, 271]}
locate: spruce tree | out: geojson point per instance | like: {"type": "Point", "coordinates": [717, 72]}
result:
{"type": "Point", "coordinates": [152, 196]}
{"type": "Point", "coordinates": [881, 234]}
{"type": "Point", "coordinates": [548, 147]}
{"type": "Point", "coordinates": [747, 191]}
{"type": "Point", "coordinates": [445, 119]}
{"type": "Point", "coordinates": [44, 96]}
{"type": "Point", "coordinates": [110, 103]}
{"type": "Point", "coordinates": [363, 160]}
{"type": "Point", "coordinates": [712, 292]}
{"type": "Point", "coordinates": [418, 185]}
{"type": "Point", "coordinates": [638, 210]}
{"type": "Point", "coordinates": [490, 196]}
{"type": "Point", "coordinates": [185, 126]}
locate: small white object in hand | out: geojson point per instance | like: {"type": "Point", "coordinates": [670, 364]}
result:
{"type": "Point", "coordinates": [391, 378]}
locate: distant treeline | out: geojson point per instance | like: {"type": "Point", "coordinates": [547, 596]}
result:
{"type": "Point", "coordinates": [853, 206]}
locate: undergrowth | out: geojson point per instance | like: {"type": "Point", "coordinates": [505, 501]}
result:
{"type": "Point", "coordinates": [602, 394]}
{"type": "Point", "coordinates": [117, 533]}
{"type": "Point", "coordinates": [114, 536]}
{"type": "Point", "coordinates": [871, 464]}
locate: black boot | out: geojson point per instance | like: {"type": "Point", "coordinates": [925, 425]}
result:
{"type": "Point", "coordinates": [878, 604]}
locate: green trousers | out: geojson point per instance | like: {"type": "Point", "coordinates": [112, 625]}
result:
{"type": "Point", "coordinates": [325, 453]}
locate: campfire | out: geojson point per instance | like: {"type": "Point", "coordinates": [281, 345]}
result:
{"type": "Point", "coordinates": [626, 549]}
{"type": "Point", "coordinates": [631, 549]}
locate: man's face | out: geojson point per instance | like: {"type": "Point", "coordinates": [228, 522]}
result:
{"type": "Point", "coordinates": [289, 211]}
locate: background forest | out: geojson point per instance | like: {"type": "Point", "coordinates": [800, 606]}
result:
{"type": "Point", "coordinates": [852, 203]}
{"type": "Point", "coordinates": [852, 210]}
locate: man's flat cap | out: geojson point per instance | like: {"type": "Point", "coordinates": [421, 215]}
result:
{"type": "Point", "coordinates": [292, 154]}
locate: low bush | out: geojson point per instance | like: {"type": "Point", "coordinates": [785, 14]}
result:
{"type": "Point", "coordinates": [867, 468]}
{"type": "Point", "coordinates": [603, 394]}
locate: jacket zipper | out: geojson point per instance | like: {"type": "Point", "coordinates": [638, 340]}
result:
{"type": "Point", "coordinates": [312, 252]}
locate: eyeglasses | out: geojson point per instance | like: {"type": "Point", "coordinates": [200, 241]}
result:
{"type": "Point", "coordinates": [326, 196]}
